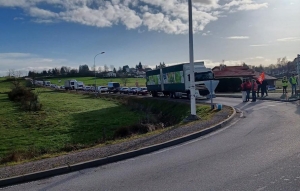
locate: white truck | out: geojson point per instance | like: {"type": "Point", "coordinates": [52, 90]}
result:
{"type": "Point", "coordinates": [70, 84]}
{"type": "Point", "coordinates": [174, 81]}
{"type": "Point", "coordinates": [47, 83]}
{"type": "Point", "coordinates": [79, 85]}
{"type": "Point", "coordinates": [73, 85]}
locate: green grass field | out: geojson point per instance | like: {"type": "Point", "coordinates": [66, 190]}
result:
{"type": "Point", "coordinates": [99, 81]}
{"type": "Point", "coordinates": [68, 121]}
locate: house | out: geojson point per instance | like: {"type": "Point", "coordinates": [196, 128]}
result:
{"type": "Point", "coordinates": [231, 77]}
{"type": "Point", "coordinates": [140, 74]}
{"type": "Point", "coordinates": [132, 70]}
{"type": "Point", "coordinates": [126, 69]}
{"type": "Point", "coordinates": [224, 71]}
{"type": "Point", "coordinates": [110, 74]}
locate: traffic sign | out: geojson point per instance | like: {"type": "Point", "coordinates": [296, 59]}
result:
{"type": "Point", "coordinates": [211, 85]}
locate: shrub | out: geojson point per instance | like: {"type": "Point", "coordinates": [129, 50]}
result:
{"type": "Point", "coordinates": [27, 98]}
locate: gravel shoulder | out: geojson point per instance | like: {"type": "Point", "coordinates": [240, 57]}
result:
{"type": "Point", "coordinates": [109, 150]}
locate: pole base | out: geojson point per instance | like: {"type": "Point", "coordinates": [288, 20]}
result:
{"type": "Point", "coordinates": [191, 118]}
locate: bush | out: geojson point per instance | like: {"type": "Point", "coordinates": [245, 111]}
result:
{"type": "Point", "coordinates": [158, 114]}
{"type": "Point", "coordinates": [27, 98]}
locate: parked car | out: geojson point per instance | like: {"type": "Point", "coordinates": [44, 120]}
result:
{"type": "Point", "coordinates": [123, 90]}
{"type": "Point", "coordinates": [53, 86]}
{"type": "Point", "coordinates": [132, 90]}
{"type": "Point", "coordinates": [271, 88]}
{"type": "Point", "coordinates": [47, 83]}
{"type": "Point", "coordinates": [62, 87]}
{"type": "Point", "coordinates": [142, 91]}
{"type": "Point", "coordinates": [102, 89]}
{"type": "Point", "coordinates": [87, 88]}
{"type": "Point", "coordinates": [92, 88]}
{"type": "Point", "coordinates": [113, 87]}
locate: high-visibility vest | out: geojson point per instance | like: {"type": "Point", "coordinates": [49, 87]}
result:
{"type": "Point", "coordinates": [294, 80]}
{"type": "Point", "coordinates": [284, 83]}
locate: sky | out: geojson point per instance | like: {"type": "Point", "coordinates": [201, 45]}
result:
{"type": "Point", "coordinates": [39, 35]}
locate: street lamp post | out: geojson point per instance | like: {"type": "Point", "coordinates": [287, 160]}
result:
{"type": "Point", "coordinates": [193, 115]}
{"type": "Point", "coordinates": [95, 68]}
{"type": "Point", "coordinates": [298, 68]}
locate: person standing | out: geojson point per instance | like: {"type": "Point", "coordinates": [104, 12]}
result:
{"type": "Point", "coordinates": [244, 95]}
{"type": "Point", "coordinates": [247, 87]}
{"type": "Point", "coordinates": [264, 88]}
{"type": "Point", "coordinates": [258, 87]}
{"type": "Point", "coordinates": [244, 92]}
{"type": "Point", "coordinates": [293, 82]}
{"type": "Point", "coordinates": [254, 89]}
{"type": "Point", "coordinates": [284, 84]}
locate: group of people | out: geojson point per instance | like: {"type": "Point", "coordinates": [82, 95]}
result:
{"type": "Point", "coordinates": [293, 81]}
{"type": "Point", "coordinates": [254, 86]}
{"type": "Point", "coordinates": [257, 87]}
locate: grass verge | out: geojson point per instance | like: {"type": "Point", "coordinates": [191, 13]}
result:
{"type": "Point", "coordinates": [70, 122]}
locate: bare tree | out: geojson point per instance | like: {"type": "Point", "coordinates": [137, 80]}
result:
{"type": "Point", "coordinates": [11, 73]}
{"type": "Point", "coordinates": [68, 69]}
{"type": "Point", "coordinates": [105, 68]}
{"type": "Point", "coordinates": [124, 79]}
{"type": "Point", "coordinates": [99, 69]}
{"type": "Point", "coordinates": [112, 67]}
{"type": "Point", "coordinates": [15, 77]}
{"type": "Point", "coordinates": [93, 69]}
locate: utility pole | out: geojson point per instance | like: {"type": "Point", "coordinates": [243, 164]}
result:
{"type": "Point", "coordinates": [193, 115]}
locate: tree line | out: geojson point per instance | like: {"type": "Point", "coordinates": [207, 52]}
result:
{"type": "Point", "coordinates": [83, 70]}
{"type": "Point", "coordinates": [283, 67]}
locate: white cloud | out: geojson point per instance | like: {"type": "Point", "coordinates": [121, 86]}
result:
{"type": "Point", "coordinates": [259, 45]}
{"type": "Point", "coordinates": [244, 5]}
{"type": "Point", "coordinates": [289, 39]}
{"type": "Point", "coordinates": [41, 13]}
{"type": "Point", "coordinates": [238, 37]}
{"type": "Point", "coordinates": [169, 16]}
{"type": "Point", "coordinates": [25, 62]}
{"type": "Point", "coordinates": [18, 18]}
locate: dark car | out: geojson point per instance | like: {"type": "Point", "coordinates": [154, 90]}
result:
{"type": "Point", "coordinates": [113, 87]}
{"type": "Point", "coordinates": [142, 91]}
{"type": "Point", "coordinates": [271, 88]}
{"type": "Point", "coordinates": [132, 90]}
{"type": "Point", "coordinates": [123, 90]}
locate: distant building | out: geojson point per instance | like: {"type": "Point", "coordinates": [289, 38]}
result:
{"type": "Point", "coordinates": [141, 74]}
{"type": "Point", "coordinates": [126, 68]}
{"type": "Point", "coordinates": [224, 71]}
{"type": "Point", "coordinates": [110, 74]}
{"type": "Point", "coordinates": [133, 70]}
{"type": "Point", "coordinates": [240, 72]}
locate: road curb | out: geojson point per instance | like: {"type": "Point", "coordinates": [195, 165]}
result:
{"type": "Point", "coordinates": [265, 98]}
{"type": "Point", "coordinates": [114, 158]}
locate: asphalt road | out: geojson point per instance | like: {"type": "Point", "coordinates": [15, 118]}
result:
{"type": "Point", "coordinates": [258, 152]}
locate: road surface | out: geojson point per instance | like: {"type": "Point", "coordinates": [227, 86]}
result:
{"type": "Point", "coordinates": [258, 152]}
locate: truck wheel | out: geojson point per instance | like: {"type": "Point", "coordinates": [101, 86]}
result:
{"type": "Point", "coordinates": [154, 94]}
{"type": "Point", "coordinates": [171, 95]}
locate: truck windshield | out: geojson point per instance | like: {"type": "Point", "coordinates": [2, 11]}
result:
{"type": "Point", "coordinates": [204, 76]}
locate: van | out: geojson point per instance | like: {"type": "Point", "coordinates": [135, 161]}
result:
{"type": "Point", "coordinates": [47, 83]}
{"type": "Point", "coordinates": [113, 87]}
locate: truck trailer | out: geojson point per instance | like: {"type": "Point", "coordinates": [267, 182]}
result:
{"type": "Point", "coordinates": [70, 84]}
{"type": "Point", "coordinates": [174, 81]}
